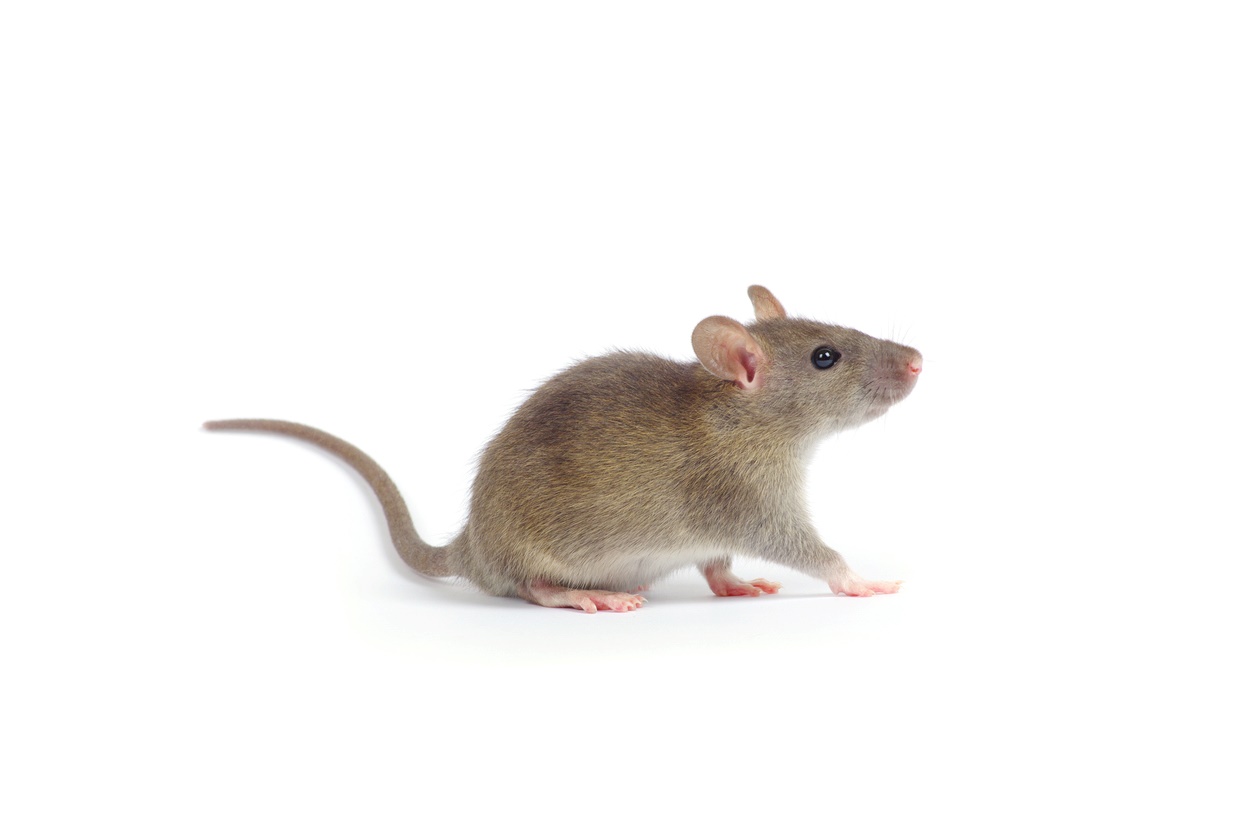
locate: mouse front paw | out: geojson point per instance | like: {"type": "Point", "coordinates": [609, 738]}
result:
{"type": "Point", "coordinates": [745, 588]}
{"type": "Point", "coordinates": [851, 585]}
{"type": "Point", "coordinates": [724, 583]}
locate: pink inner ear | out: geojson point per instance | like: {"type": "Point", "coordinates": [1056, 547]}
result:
{"type": "Point", "coordinates": [748, 360]}
{"type": "Point", "coordinates": [728, 351]}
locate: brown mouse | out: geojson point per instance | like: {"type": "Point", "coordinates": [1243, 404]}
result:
{"type": "Point", "coordinates": [630, 466]}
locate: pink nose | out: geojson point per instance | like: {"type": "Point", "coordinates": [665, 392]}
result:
{"type": "Point", "coordinates": [915, 366]}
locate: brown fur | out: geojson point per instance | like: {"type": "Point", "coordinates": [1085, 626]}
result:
{"type": "Point", "coordinates": [629, 466]}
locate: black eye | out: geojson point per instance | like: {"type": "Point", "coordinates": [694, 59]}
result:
{"type": "Point", "coordinates": [824, 357]}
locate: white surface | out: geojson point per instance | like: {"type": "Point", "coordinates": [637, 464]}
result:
{"type": "Point", "coordinates": [391, 223]}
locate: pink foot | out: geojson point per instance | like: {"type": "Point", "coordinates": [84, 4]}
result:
{"type": "Point", "coordinates": [591, 601]}
{"type": "Point", "coordinates": [724, 583]}
{"type": "Point", "coordinates": [852, 585]}
{"type": "Point", "coordinates": [744, 588]}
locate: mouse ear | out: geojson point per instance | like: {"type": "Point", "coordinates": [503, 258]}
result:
{"type": "Point", "coordinates": [729, 352]}
{"type": "Point", "coordinates": [767, 307]}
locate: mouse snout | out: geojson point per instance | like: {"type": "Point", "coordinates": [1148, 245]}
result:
{"type": "Point", "coordinates": [895, 373]}
{"type": "Point", "coordinates": [910, 369]}
{"type": "Point", "coordinates": [914, 364]}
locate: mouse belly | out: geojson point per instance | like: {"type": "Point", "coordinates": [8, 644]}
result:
{"type": "Point", "coordinates": [500, 566]}
{"type": "Point", "coordinates": [627, 568]}
{"type": "Point", "coordinates": [635, 569]}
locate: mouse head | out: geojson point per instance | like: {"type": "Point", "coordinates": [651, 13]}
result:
{"type": "Point", "coordinates": [822, 376]}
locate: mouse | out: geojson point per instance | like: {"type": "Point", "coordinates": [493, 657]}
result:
{"type": "Point", "coordinates": [630, 466]}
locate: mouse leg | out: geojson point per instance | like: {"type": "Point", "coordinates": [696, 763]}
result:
{"type": "Point", "coordinates": [724, 583]}
{"type": "Point", "coordinates": [843, 581]}
{"type": "Point", "coordinates": [808, 554]}
{"type": "Point", "coordinates": [542, 592]}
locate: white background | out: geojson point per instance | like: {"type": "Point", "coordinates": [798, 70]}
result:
{"type": "Point", "coordinates": [393, 220]}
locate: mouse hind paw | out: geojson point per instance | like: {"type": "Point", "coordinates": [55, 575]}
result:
{"type": "Point", "coordinates": [546, 594]}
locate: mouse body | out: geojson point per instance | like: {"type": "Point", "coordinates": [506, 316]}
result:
{"type": "Point", "coordinates": [629, 466]}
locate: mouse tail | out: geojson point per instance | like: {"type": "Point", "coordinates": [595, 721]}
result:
{"type": "Point", "coordinates": [418, 555]}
